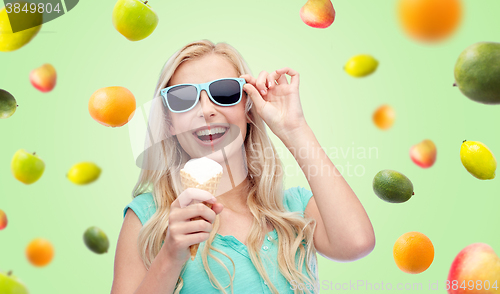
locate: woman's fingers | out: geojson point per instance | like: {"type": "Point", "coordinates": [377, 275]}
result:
{"type": "Point", "coordinates": [276, 77]}
{"type": "Point", "coordinates": [261, 84]}
{"type": "Point", "coordinates": [292, 73]}
{"type": "Point", "coordinates": [255, 96]}
{"type": "Point", "coordinates": [195, 210]}
{"type": "Point", "coordinates": [249, 79]}
{"type": "Point", "coordinates": [195, 238]}
{"type": "Point", "coordinates": [196, 226]}
{"type": "Point", "coordinates": [217, 208]}
{"type": "Point", "coordinates": [190, 194]}
{"type": "Point", "coordinates": [267, 81]}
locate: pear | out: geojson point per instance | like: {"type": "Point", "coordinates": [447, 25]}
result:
{"type": "Point", "coordinates": [477, 72]}
{"type": "Point", "coordinates": [318, 13]}
{"type": "Point", "coordinates": [10, 41]}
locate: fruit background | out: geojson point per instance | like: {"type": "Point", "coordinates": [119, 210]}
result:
{"type": "Point", "coordinates": [450, 206]}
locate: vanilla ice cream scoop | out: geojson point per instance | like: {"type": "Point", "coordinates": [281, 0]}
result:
{"type": "Point", "coordinates": [202, 169]}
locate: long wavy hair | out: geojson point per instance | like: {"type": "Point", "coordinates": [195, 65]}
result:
{"type": "Point", "coordinates": [265, 186]}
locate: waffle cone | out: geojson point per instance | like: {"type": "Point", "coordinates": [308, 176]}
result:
{"type": "Point", "coordinates": [210, 186]}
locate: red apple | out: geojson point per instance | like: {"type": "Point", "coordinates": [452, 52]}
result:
{"type": "Point", "coordinates": [44, 77]}
{"type": "Point", "coordinates": [3, 220]}
{"type": "Point", "coordinates": [476, 269]}
{"type": "Point", "coordinates": [318, 13]}
{"type": "Point", "coordinates": [424, 153]}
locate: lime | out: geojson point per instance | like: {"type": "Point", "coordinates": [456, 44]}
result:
{"type": "Point", "coordinates": [96, 240]}
{"type": "Point", "coordinates": [361, 65]}
{"type": "Point", "coordinates": [392, 186]}
{"type": "Point", "coordinates": [84, 173]}
{"type": "Point", "coordinates": [478, 160]}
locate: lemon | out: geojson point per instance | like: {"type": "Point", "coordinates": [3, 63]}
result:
{"type": "Point", "coordinates": [84, 173]}
{"type": "Point", "coordinates": [478, 160]}
{"type": "Point", "coordinates": [361, 65]}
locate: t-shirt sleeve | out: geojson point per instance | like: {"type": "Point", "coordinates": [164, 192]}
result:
{"type": "Point", "coordinates": [143, 206]}
{"type": "Point", "coordinates": [296, 199]}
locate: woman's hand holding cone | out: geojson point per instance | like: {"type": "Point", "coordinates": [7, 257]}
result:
{"type": "Point", "coordinates": [182, 232]}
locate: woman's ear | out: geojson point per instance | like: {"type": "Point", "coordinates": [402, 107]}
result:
{"type": "Point", "coordinates": [172, 130]}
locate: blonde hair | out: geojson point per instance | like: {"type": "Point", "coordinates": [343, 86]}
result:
{"type": "Point", "coordinates": [265, 190]}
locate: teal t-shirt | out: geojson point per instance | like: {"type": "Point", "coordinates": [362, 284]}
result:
{"type": "Point", "coordinates": [246, 277]}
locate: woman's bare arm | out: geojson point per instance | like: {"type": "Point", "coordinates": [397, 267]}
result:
{"type": "Point", "coordinates": [130, 274]}
{"type": "Point", "coordinates": [344, 231]}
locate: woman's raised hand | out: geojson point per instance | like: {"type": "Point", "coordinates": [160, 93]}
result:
{"type": "Point", "coordinates": [276, 100]}
{"type": "Point", "coordinates": [181, 231]}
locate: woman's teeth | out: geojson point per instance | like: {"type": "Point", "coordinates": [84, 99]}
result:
{"type": "Point", "coordinates": [215, 133]}
{"type": "Point", "coordinates": [211, 131]}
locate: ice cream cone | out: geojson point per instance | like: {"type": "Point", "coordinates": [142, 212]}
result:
{"type": "Point", "coordinates": [210, 186]}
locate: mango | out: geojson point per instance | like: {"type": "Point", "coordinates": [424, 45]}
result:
{"type": "Point", "coordinates": [392, 186]}
{"type": "Point", "coordinates": [477, 72]}
{"type": "Point", "coordinates": [10, 41]}
{"type": "Point", "coordinates": [8, 104]}
{"type": "Point", "coordinates": [44, 78]}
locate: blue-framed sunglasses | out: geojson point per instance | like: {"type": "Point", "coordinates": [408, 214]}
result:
{"type": "Point", "coordinates": [223, 92]}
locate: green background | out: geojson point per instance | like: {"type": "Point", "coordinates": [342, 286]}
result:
{"type": "Point", "coordinates": [450, 206]}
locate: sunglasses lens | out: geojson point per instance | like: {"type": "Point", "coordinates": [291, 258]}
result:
{"type": "Point", "coordinates": [182, 97]}
{"type": "Point", "coordinates": [225, 92]}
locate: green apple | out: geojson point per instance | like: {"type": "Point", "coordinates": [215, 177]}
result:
{"type": "Point", "coordinates": [10, 284]}
{"type": "Point", "coordinates": [134, 19]}
{"type": "Point", "coordinates": [26, 167]}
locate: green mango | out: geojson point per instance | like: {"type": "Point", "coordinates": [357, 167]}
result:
{"type": "Point", "coordinates": [477, 72]}
{"type": "Point", "coordinates": [392, 186]}
{"type": "Point", "coordinates": [10, 41]}
{"type": "Point", "coordinates": [8, 104]}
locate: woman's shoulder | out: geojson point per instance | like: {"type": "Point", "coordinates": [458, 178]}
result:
{"type": "Point", "coordinates": [296, 198]}
{"type": "Point", "coordinates": [143, 206]}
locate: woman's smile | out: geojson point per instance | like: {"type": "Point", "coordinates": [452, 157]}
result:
{"type": "Point", "coordinates": [210, 135]}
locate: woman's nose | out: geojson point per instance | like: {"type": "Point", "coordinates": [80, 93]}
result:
{"type": "Point", "coordinates": [207, 106]}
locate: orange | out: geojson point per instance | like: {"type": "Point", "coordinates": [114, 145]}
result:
{"type": "Point", "coordinates": [430, 20]}
{"type": "Point", "coordinates": [40, 252]}
{"type": "Point", "coordinates": [112, 106]}
{"type": "Point", "coordinates": [384, 117]}
{"type": "Point", "coordinates": [413, 252]}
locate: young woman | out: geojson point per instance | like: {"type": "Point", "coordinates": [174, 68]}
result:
{"type": "Point", "coordinates": [257, 237]}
